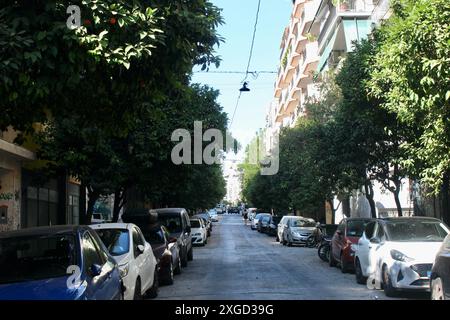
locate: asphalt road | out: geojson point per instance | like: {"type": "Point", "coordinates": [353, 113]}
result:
{"type": "Point", "coordinates": [241, 264]}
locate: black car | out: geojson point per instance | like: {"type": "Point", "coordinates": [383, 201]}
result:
{"type": "Point", "coordinates": [166, 252]}
{"type": "Point", "coordinates": [273, 225]}
{"type": "Point", "coordinates": [177, 222]}
{"type": "Point", "coordinates": [440, 273]}
{"type": "Point", "coordinates": [233, 210]}
{"type": "Point", "coordinates": [263, 222]}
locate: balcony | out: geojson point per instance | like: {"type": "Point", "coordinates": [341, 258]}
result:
{"type": "Point", "coordinates": [298, 8]}
{"type": "Point", "coordinates": [307, 16]}
{"type": "Point", "coordinates": [354, 6]}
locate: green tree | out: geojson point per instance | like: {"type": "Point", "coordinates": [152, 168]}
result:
{"type": "Point", "coordinates": [411, 75]}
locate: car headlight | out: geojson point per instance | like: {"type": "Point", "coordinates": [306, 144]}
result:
{"type": "Point", "coordinates": [124, 270]}
{"type": "Point", "coordinates": [398, 256]}
{"type": "Point", "coordinates": [296, 234]}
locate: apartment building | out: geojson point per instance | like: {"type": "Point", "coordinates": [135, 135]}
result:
{"type": "Point", "coordinates": [298, 62]}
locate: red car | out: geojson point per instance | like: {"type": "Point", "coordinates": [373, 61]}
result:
{"type": "Point", "coordinates": [347, 234]}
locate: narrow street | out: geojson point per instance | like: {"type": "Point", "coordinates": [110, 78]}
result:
{"type": "Point", "coordinates": [238, 263]}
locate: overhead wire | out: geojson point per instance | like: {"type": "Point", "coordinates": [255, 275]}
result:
{"type": "Point", "coordinates": [249, 59]}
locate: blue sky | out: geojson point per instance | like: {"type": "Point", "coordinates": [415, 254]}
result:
{"type": "Point", "coordinates": [239, 16]}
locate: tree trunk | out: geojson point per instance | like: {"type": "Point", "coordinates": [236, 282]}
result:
{"type": "Point", "coordinates": [119, 201]}
{"type": "Point", "coordinates": [93, 196]}
{"type": "Point", "coordinates": [369, 195]}
{"type": "Point", "coordinates": [333, 210]}
{"type": "Point", "coordinates": [397, 202]}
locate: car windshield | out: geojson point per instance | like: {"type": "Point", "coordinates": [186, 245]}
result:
{"type": "Point", "coordinates": [195, 223]}
{"type": "Point", "coordinates": [36, 257]}
{"type": "Point", "coordinates": [355, 228]}
{"type": "Point", "coordinates": [415, 230]}
{"type": "Point", "coordinates": [172, 223]}
{"type": "Point", "coordinates": [302, 223]}
{"type": "Point", "coordinates": [117, 241]}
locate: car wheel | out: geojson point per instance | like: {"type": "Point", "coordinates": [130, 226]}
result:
{"type": "Point", "coordinates": [360, 279]}
{"type": "Point", "coordinates": [389, 290]}
{"type": "Point", "coordinates": [190, 255]}
{"type": "Point", "coordinates": [289, 242]}
{"type": "Point", "coordinates": [137, 290]}
{"type": "Point", "coordinates": [178, 267]}
{"type": "Point", "coordinates": [153, 291]}
{"type": "Point", "coordinates": [343, 264]}
{"type": "Point", "coordinates": [437, 289]}
{"type": "Point", "coordinates": [169, 280]}
{"type": "Point", "coordinates": [331, 261]}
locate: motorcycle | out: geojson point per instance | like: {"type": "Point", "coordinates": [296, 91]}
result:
{"type": "Point", "coordinates": [324, 248]}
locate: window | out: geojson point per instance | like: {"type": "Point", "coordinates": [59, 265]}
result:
{"type": "Point", "coordinates": [415, 230]}
{"type": "Point", "coordinates": [42, 205]}
{"type": "Point", "coordinates": [137, 241]}
{"type": "Point", "coordinates": [355, 228]}
{"type": "Point", "coordinates": [195, 223]}
{"type": "Point", "coordinates": [117, 241]}
{"type": "Point", "coordinates": [36, 257]}
{"type": "Point", "coordinates": [155, 236]}
{"type": "Point", "coordinates": [370, 228]}
{"type": "Point", "coordinates": [172, 223]}
{"type": "Point", "coordinates": [91, 255]}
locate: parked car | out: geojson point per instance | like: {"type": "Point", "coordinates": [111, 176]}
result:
{"type": "Point", "coordinates": [199, 232]}
{"type": "Point", "coordinates": [251, 213]}
{"type": "Point", "coordinates": [273, 225]}
{"type": "Point", "coordinates": [177, 222]}
{"type": "Point", "coordinates": [440, 273]}
{"type": "Point", "coordinates": [57, 263]}
{"type": "Point", "coordinates": [344, 240]}
{"type": "Point", "coordinates": [137, 263]}
{"type": "Point", "coordinates": [255, 221]}
{"type": "Point", "coordinates": [295, 230]}
{"type": "Point", "coordinates": [166, 251]}
{"type": "Point", "coordinates": [206, 220]}
{"type": "Point", "coordinates": [233, 210]}
{"type": "Point", "coordinates": [263, 222]}
{"type": "Point", "coordinates": [97, 218]}
{"type": "Point", "coordinates": [398, 253]}
{"type": "Point", "coordinates": [214, 216]}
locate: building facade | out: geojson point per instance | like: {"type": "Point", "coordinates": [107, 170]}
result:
{"type": "Point", "coordinates": [319, 35]}
{"type": "Point", "coordinates": [30, 196]}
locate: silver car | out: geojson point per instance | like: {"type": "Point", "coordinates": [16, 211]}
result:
{"type": "Point", "coordinates": [295, 230]}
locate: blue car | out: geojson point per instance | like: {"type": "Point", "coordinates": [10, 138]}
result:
{"type": "Point", "coordinates": [57, 263]}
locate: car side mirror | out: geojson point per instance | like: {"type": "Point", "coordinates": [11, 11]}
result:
{"type": "Point", "coordinates": [95, 270]}
{"type": "Point", "coordinates": [141, 249]}
{"type": "Point", "coordinates": [375, 240]}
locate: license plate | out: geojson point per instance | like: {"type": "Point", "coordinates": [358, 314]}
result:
{"type": "Point", "coordinates": [428, 274]}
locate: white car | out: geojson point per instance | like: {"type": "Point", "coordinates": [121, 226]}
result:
{"type": "Point", "coordinates": [199, 232]}
{"type": "Point", "coordinates": [134, 255]}
{"type": "Point", "coordinates": [398, 253]}
{"type": "Point", "coordinates": [255, 220]}
{"type": "Point", "coordinates": [214, 216]}
{"type": "Point", "coordinates": [251, 213]}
